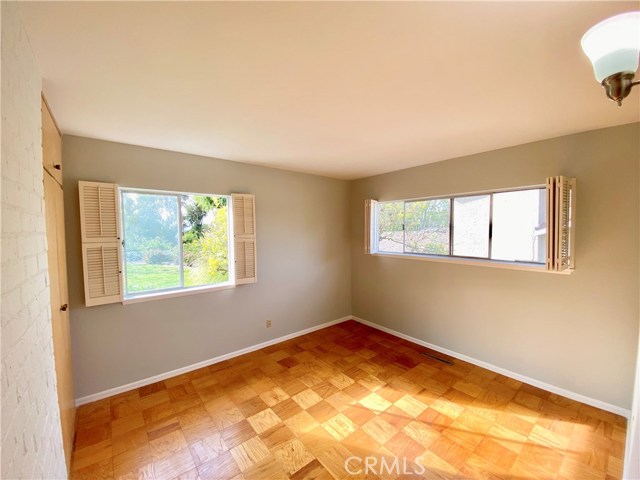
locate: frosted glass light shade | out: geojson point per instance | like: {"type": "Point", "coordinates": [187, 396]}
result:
{"type": "Point", "coordinates": [613, 45]}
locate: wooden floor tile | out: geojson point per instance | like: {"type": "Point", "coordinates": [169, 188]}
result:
{"type": "Point", "coordinates": [402, 445]}
{"type": "Point", "coordinates": [237, 433]}
{"type": "Point", "coordinates": [264, 420]}
{"type": "Point", "coordinates": [174, 465]}
{"type": "Point", "coordinates": [189, 475]}
{"type": "Point", "coordinates": [361, 444]}
{"type": "Point", "coordinates": [207, 449]}
{"type": "Point", "coordinates": [496, 454]}
{"type": "Point", "coordinates": [199, 431]}
{"type": "Point", "coordinates": [252, 406]}
{"type": "Point", "coordinates": [293, 456]}
{"type": "Point", "coordinates": [226, 417]}
{"type": "Point", "coordinates": [130, 462]}
{"type": "Point", "coordinates": [301, 423]}
{"type": "Point", "coordinates": [339, 426]}
{"type": "Point", "coordinates": [334, 460]}
{"type": "Point", "coordinates": [307, 398]}
{"type": "Point", "coordinates": [129, 441]}
{"type": "Point", "coordinates": [375, 403]}
{"type": "Point", "coordinates": [322, 411]}
{"type": "Point", "coordinates": [102, 470]}
{"type": "Point", "coordinates": [153, 399]}
{"type": "Point", "coordinates": [126, 404]}
{"type": "Point", "coordinates": [97, 452]}
{"type": "Point", "coordinates": [274, 396]}
{"type": "Point", "coordinates": [300, 409]}
{"type": "Point", "coordinates": [85, 437]}
{"type": "Point", "coordinates": [312, 471]}
{"type": "Point", "coordinates": [142, 472]}
{"type": "Point", "coordinates": [249, 453]}
{"type": "Point", "coordinates": [277, 436]}
{"type": "Point", "coordinates": [340, 401]}
{"type": "Point", "coordinates": [168, 444]}
{"type": "Point", "coordinates": [358, 414]}
{"type": "Point", "coordinates": [380, 429]}
{"type": "Point", "coordinates": [267, 469]}
{"type": "Point", "coordinates": [542, 461]}
{"type": "Point", "coordinates": [479, 467]}
{"type": "Point", "coordinates": [221, 467]}
{"type": "Point", "coordinates": [421, 433]}
{"type": "Point", "coordinates": [94, 413]}
{"type": "Point", "coordinates": [412, 406]}
{"type": "Point", "coordinates": [317, 440]}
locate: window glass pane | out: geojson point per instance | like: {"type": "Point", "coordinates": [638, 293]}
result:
{"type": "Point", "coordinates": [471, 226]}
{"type": "Point", "coordinates": [519, 226]}
{"type": "Point", "coordinates": [390, 221]}
{"type": "Point", "coordinates": [205, 240]}
{"type": "Point", "coordinates": [152, 251]}
{"type": "Point", "coordinates": [427, 226]}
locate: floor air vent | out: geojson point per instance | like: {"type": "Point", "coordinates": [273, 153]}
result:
{"type": "Point", "coordinates": [443, 360]}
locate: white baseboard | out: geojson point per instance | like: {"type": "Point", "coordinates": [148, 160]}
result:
{"type": "Point", "coordinates": [205, 363]}
{"type": "Point", "coordinates": [508, 373]}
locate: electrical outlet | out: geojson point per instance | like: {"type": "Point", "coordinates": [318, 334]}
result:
{"type": "Point", "coordinates": [268, 323]}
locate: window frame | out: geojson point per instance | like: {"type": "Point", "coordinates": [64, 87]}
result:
{"type": "Point", "coordinates": [451, 257]}
{"type": "Point", "coordinates": [147, 295]}
{"type": "Point", "coordinates": [404, 227]}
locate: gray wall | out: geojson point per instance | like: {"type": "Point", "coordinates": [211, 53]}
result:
{"type": "Point", "coordinates": [578, 332]}
{"type": "Point", "coordinates": [632, 450]}
{"type": "Point", "coordinates": [303, 261]}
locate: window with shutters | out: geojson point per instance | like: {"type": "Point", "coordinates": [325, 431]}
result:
{"type": "Point", "coordinates": [528, 227]}
{"type": "Point", "coordinates": [140, 244]}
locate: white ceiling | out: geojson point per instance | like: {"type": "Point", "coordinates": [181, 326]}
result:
{"type": "Point", "coordinates": [345, 90]}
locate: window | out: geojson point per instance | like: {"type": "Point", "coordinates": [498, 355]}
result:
{"type": "Point", "coordinates": [139, 245]}
{"type": "Point", "coordinates": [391, 218]}
{"type": "Point", "coordinates": [506, 226]}
{"type": "Point", "coordinates": [173, 241]}
{"type": "Point", "coordinates": [519, 226]}
{"type": "Point", "coordinates": [471, 226]}
{"type": "Point", "coordinates": [427, 227]}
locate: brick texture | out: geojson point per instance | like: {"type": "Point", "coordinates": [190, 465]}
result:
{"type": "Point", "coordinates": [31, 434]}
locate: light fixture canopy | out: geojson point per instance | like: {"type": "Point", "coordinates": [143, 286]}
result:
{"type": "Point", "coordinates": [613, 46]}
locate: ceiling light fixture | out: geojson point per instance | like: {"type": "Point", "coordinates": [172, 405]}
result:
{"type": "Point", "coordinates": [613, 46]}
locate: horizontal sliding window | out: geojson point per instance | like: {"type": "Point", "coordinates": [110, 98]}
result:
{"type": "Point", "coordinates": [507, 226]}
{"type": "Point", "coordinates": [519, 226]}
{"type": "Point", "coordinates": [173, 241]}
{"type": "Point", "coordinates": [427, 227]}
{"type": "Point", "coordinates": [391, 232]}
{"type": "Point", "coordinates": [471, 221]}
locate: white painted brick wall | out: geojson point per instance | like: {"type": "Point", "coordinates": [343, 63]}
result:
{"type": "Point", "coordinates": [31, 435]}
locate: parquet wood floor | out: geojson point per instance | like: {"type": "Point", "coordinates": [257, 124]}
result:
{"type": "Point", "coordinates": [297, 410]}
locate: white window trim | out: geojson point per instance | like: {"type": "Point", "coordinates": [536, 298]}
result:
{"type": "Point", "coordinates": [506, 265]}
{"type": "Point", "coordinates": [183, 292]}
{"type": "Point", "coordinates": [461, 260]}
{"type": "Point", "coordinates": [180, 291]}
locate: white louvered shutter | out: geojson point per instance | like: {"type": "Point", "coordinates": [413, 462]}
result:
{"type": "Point", "coordinates": [561, 207]}
{"type": "Point", "coordinates": [244, 237]}
{"type": "Point", "coordinates": [99, 224]}
{"type": "Point", "coordinates": [370, 226]}
{"type": "Point", "coordinates": [98, 211]}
